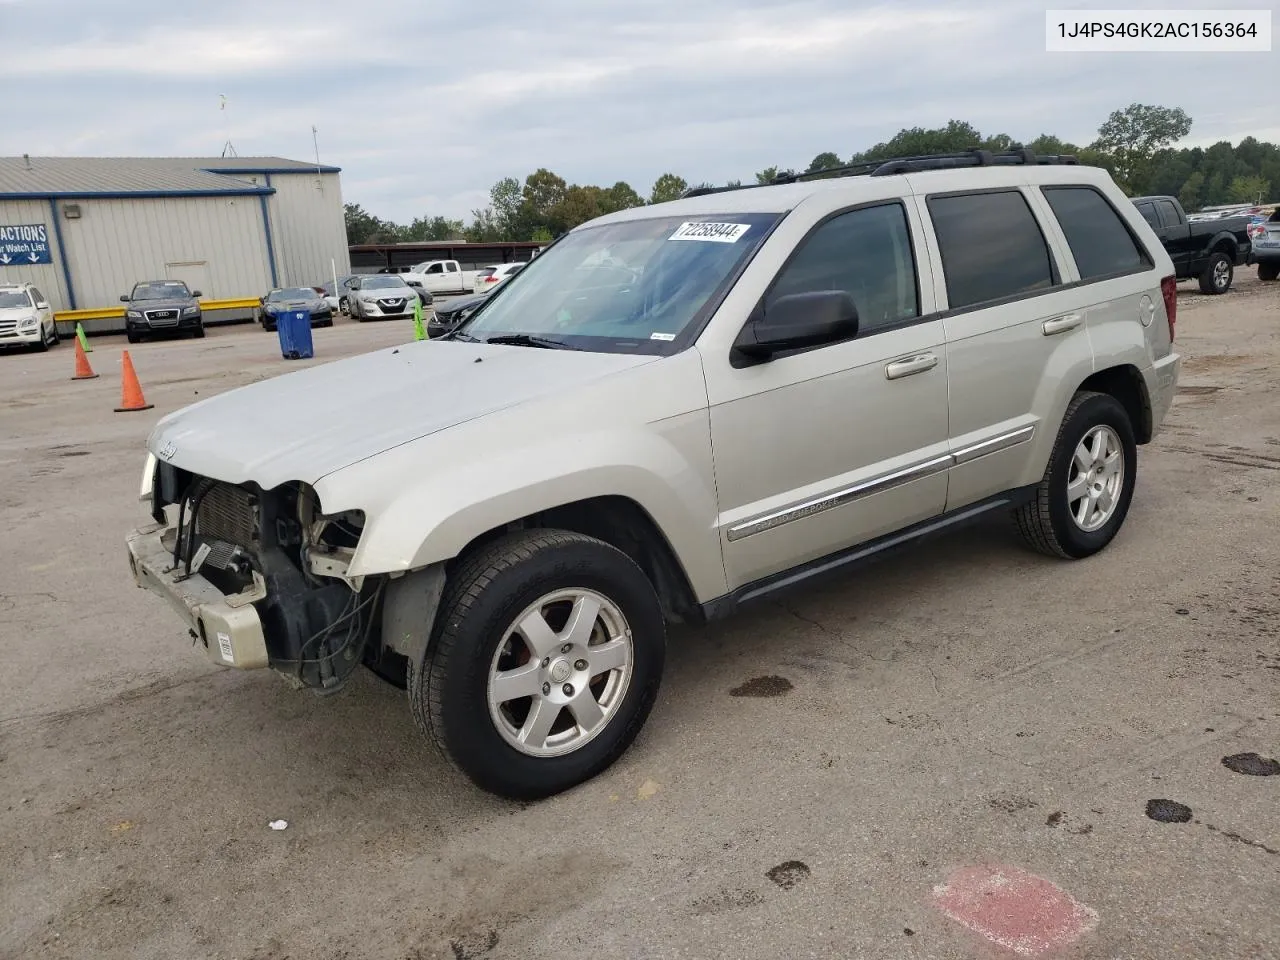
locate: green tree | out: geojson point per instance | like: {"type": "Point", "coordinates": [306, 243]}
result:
{"type": "Point", "coordinates": [433, 228]}
{"type": "Point", "coordinates": [484, 228]}
{"type": "Point", "coordinates": [1189, 195]}
{"type": "Point", "coordinates": [505, 198]}
{"type": "Point", "coordinates": [579, 205]}
{"type": "Point", "coordinates": [667, 187]}
{"type": "Point", "coordinates": [362, 226]}
{"type": "Point", "coordinates": [1133, 135]}
{"type": "Point", "coordinates": [543, 192]}
{"type": "Point", "coordinates": [621, 196]}
{"type": "Point", "coordinates": [541, 235]}
{"type": "Point", "coordinates": [1050, 146]}
{"type": "Point", "coordinates": [823, 161]}
{"type": "Point", "coordinates": [769, 174]}
{"type": "Point", "coordinates": [956, 137]}
{"type": "Point", "coordinates": [1248, 190]}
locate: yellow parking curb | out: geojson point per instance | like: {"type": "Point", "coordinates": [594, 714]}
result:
{"type": "Point", "coordinates": [104, 313]}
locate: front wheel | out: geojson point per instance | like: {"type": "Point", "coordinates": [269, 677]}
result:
{"type": "Point", "coordinates": [199, 334]}
{"type": "Point", "coordinates": [1083, 498]}
{"type": "Point", "coordinates": [1217, 274]}
{"type": "Point", "coordinates": [1269, 271]}
{"type": "Point", "coordinates": [544, 664]}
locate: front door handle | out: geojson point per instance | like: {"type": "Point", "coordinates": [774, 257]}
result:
{"type": "Point", "coordinates": [909, 365]}
{"type": "Point", "coordinates": [1062, 324]}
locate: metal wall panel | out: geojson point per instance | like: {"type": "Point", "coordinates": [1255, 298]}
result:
{"type": "Point", "coordinates": [48, 277]}
{"type": "Point", "coordinates": [308, 227]}
{"type": "Point", "coordinates": [116, 243]}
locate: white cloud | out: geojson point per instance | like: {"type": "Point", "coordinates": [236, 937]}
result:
{"type": "Point", "coordinates": [440, 104]}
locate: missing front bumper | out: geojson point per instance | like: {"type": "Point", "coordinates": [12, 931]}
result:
{"type": "Point", "coordinates": [228, 627]}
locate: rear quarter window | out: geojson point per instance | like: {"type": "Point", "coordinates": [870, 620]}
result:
{"type": "Point", "coordinates": [1100, 240]}
{"type": "Point", "coordinates": [992, 247]}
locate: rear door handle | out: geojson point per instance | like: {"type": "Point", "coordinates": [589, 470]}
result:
{"type": "Point", "coordinates": [910, 365]}
{"type": "Point", "coordinates": [1062, 324]}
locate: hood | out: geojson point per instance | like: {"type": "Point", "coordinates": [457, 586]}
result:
{"type": "Point", "coordinates": [393, 293]}
{"type": "Point", "coordinates": [316, 301]}
{"type": "Point", "coordinates": [172, 303]}
{"type": "Point", "coordinates": [305, 425]}
{"type": "Point", "coordinates": [17, 313]}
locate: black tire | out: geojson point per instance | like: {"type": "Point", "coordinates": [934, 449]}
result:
{"type": "Point", "coordinates": [1212, 277]}
{"type": "Point", "coordinates": [133, 337]}
{"type": "Point", "coordinates": [1269, 271]}
{"type": "Point", "coordinates": [43, 345]}
{"type": "Point", "coordinates": [199, 334]}
{"type": "Point", "coordinates": [55, 339]}
{"type": "Point", "coordinates": [448, 691]}
{"type": "Point", "coordinates": [1046, 522]}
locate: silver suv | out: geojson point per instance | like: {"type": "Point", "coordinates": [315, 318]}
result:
{"type": "Point", "coordinates": [673, 411]}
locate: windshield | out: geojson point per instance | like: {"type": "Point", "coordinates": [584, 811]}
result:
{"type": "Point", "coordinates": [13, 298]}
{"type": "Point", "coordinates": [383, 283]}
{"type": "Point", "coordinates": [631, 287]}
{"type": "Point", "coordinates": [172, 290]}
{"type": "Point", "coordinates": [292, 293]}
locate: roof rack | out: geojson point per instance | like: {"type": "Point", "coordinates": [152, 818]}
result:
{"type": "Point", "coordinates": [889, 166]}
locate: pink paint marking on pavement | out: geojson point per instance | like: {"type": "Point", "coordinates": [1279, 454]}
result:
{"type": "Point", "coordinates": [1013, 908]}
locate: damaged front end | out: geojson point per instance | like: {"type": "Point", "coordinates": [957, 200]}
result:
{"type": "Point", "coordinates": [259, 575]}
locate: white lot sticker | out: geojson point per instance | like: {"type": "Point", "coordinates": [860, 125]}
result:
{"type": "Point", "coordinates": [224, 647]}
{"type": "Point", "coordinates": [662, 336]}
{"type": "Point", "coordinates": [710, 232]}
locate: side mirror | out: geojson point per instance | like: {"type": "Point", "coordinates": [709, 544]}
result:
{"type": "Point", "coordinates": [795, 321]}
{"type": "Point", "coordinates": [124, 298]}
{"type": "Point", "coordinates": [42, 305]}
{"type": "Point", "coordinates": [197, 294]}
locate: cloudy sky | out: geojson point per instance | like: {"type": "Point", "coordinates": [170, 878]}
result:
{"type": "Point", "coordinates": [425, 105]}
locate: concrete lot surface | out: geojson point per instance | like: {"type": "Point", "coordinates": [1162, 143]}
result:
{"type": "Point", "coordinates": [948, 755]}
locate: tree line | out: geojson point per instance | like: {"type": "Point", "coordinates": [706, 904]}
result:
{"type": "Point", "coordinates": [1135, 144]}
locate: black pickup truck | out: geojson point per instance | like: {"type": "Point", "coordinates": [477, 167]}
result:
{"type": "Point", "coordinates": [1204, 250]}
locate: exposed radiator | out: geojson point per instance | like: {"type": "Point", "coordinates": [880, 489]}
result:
{"type": "Point", "coordinates": [229, 513]}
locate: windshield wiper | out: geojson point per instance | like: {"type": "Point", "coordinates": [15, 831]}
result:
{"type": "Point", "coordinates": [527, 340]}
{"type": "Point", "coordinates": [459, 335]}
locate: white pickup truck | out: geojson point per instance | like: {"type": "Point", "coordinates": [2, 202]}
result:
{"type": "Point", "coordinates": [441, 276]}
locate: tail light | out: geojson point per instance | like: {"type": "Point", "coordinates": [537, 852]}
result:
{"type": "Point", "coordinates": [1169, 290]}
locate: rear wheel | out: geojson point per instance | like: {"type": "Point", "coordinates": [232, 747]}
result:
{"type": "Point", "coordinates": [544, 664]}
{"type": "Point", "coordinates": [1269, 271]}
{"type": "Point", "coordinates": [1083, 498]}
{"type": "Point", "coordinates": [1217, 274]}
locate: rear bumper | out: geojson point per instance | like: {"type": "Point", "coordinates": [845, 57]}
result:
{"type": "Point", "coordinates": [1164, 385]}
{"type": "Point", "coordinates": [228, 628]}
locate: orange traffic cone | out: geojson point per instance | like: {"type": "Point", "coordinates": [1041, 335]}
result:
{"type": "Point", "coordinates": [83, 370]}
{"type": "Point", "coordinates": [132, 398]}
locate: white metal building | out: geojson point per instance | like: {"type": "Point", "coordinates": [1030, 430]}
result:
{"type": "Point", "coordinates": [84, 230]}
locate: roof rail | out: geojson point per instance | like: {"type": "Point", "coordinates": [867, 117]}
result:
{"type": "Point", "coordinates": [889, 166]}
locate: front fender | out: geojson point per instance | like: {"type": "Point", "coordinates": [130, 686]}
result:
{"type": "Point", "coordinates": [425, 501]}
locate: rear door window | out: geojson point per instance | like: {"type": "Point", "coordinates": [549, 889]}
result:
{"type": "Point", "coordinates": [1168, 213]}
{"type": "Point", "coordinates": [1148, 211]}
{"type": "Point", "coordinates": [1099, 240]}
{"type": "Point", "coordinates": [991, 247]}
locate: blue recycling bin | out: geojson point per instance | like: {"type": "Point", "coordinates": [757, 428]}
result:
{"type": "Point", "coordinates": [294, 329]}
